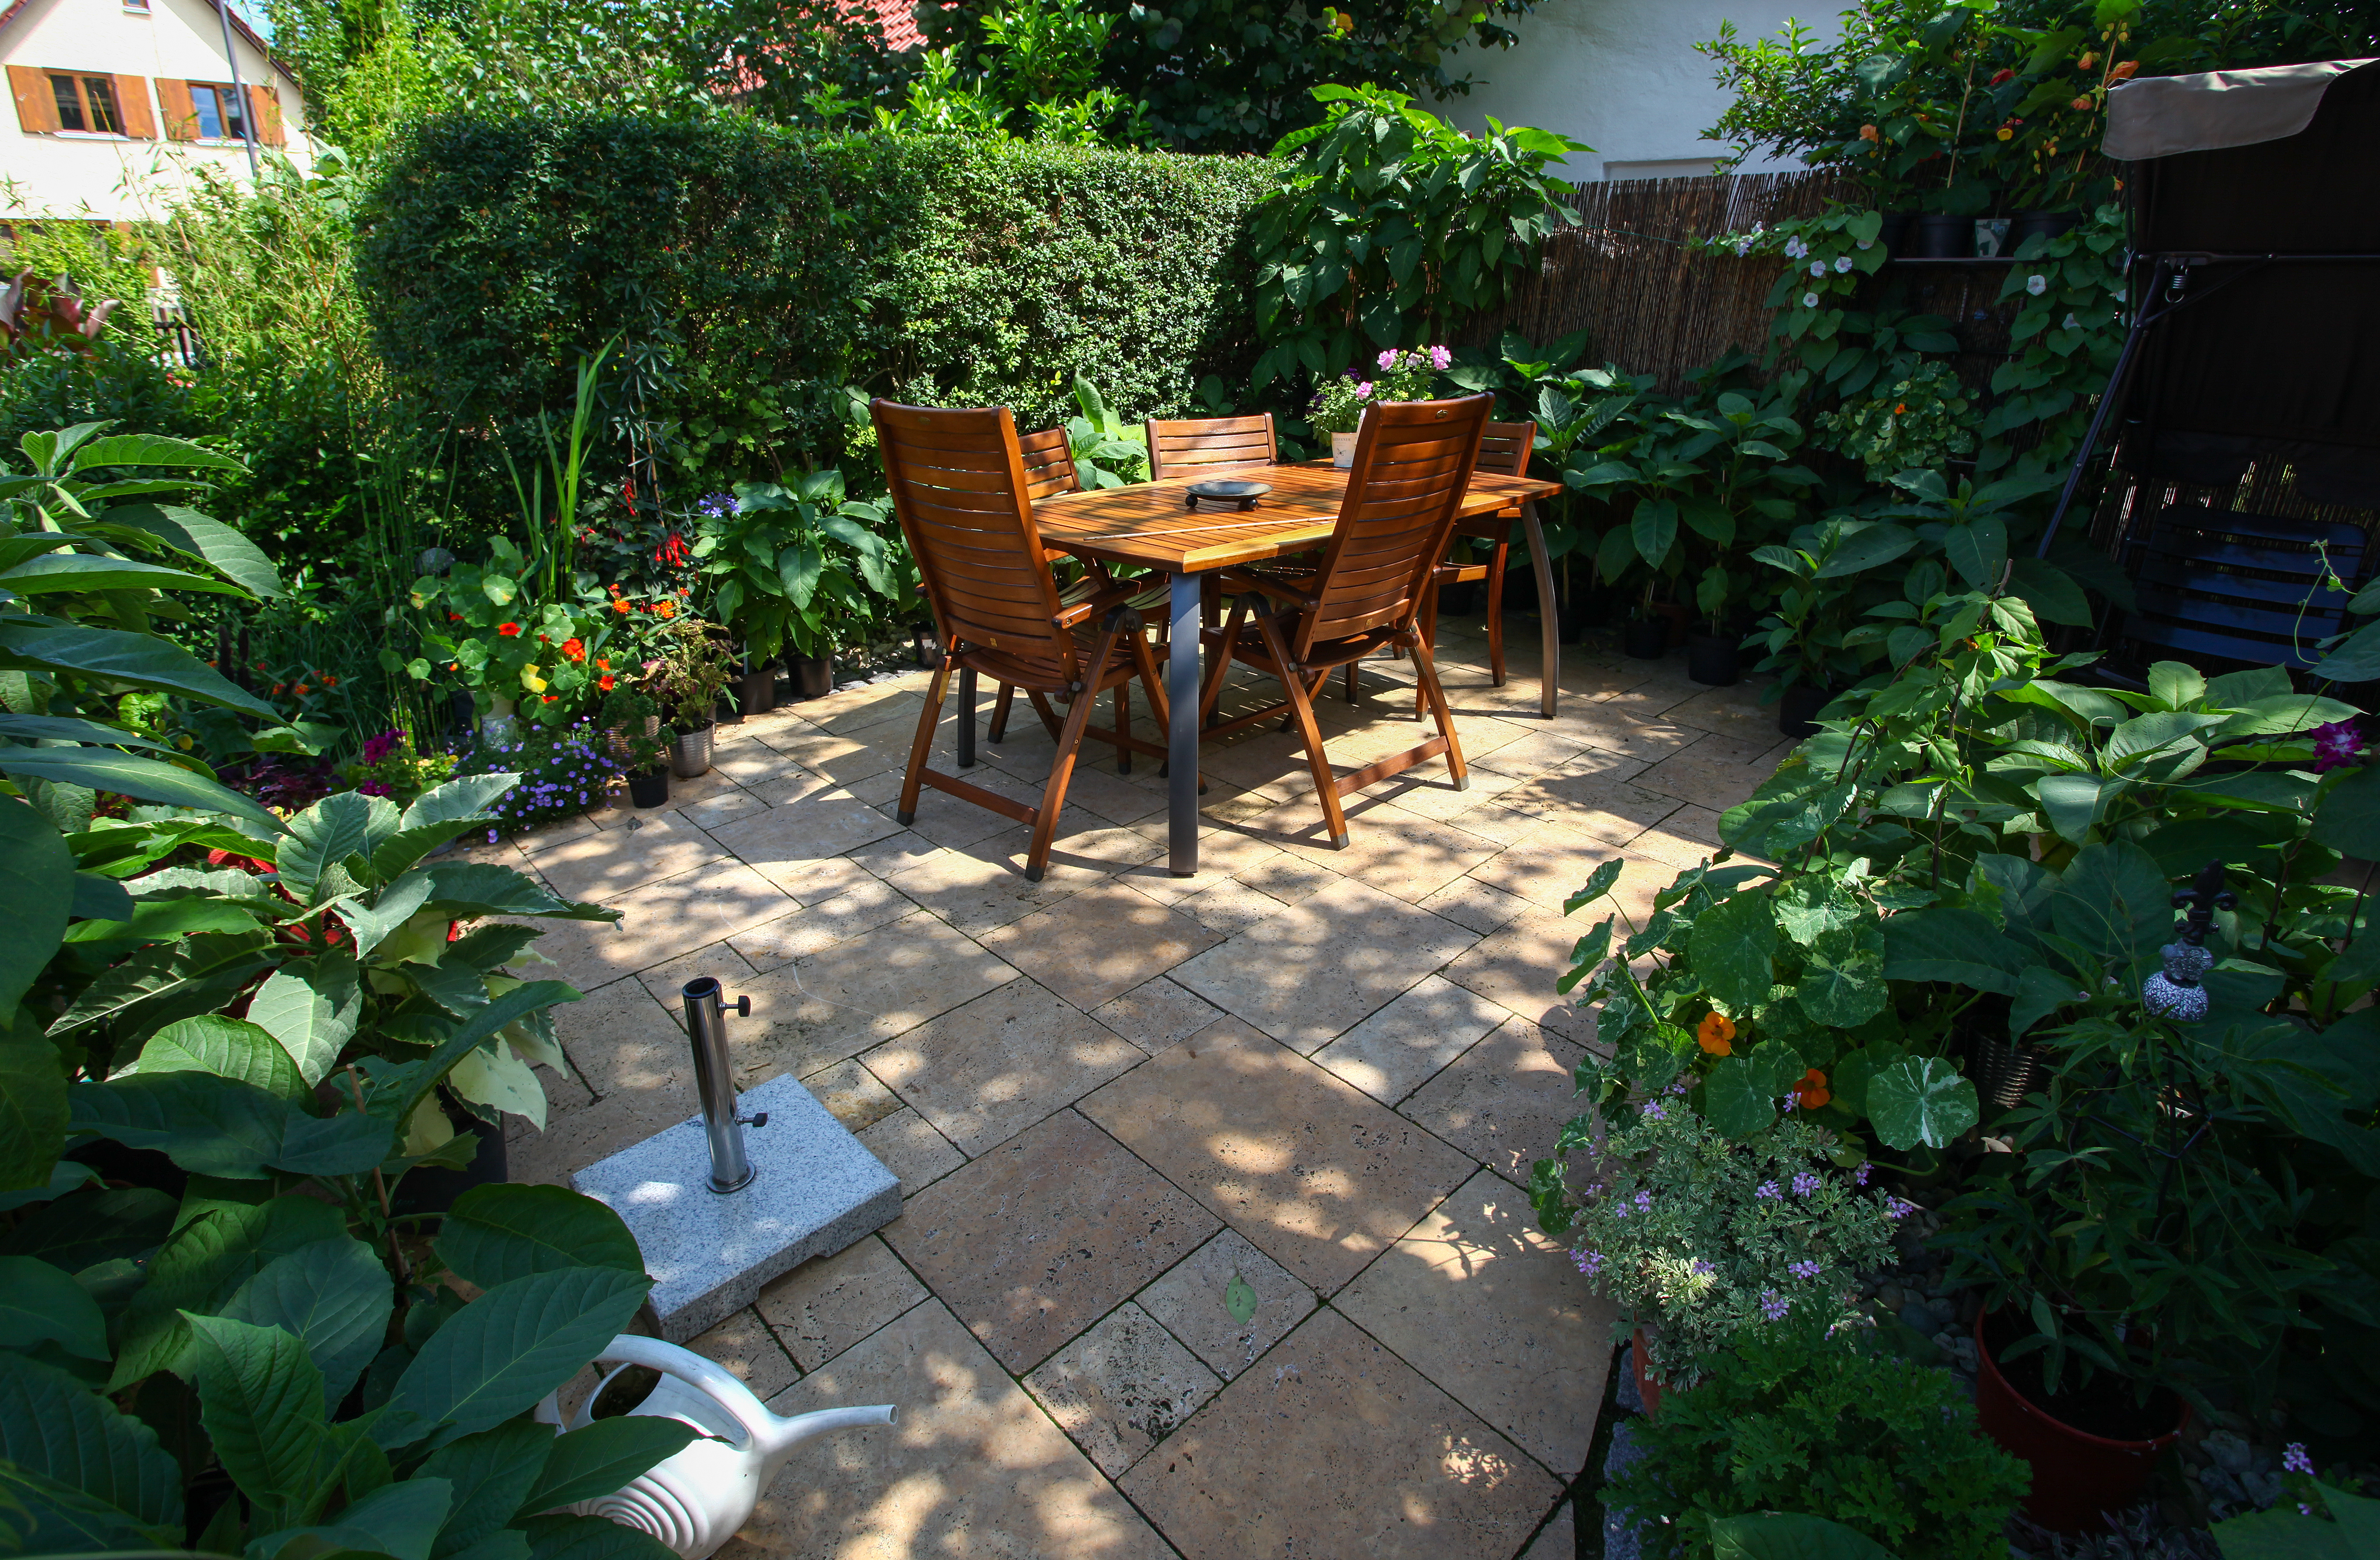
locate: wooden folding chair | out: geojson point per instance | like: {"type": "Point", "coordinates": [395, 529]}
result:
{"type": "Point", "coordinates": [1413, 462]}
{"type": "Point", "coordinates": [1504, 449]}
{"type": "Point", "coordinates": [1210, 446]}
{"type": "Point", "coordinates": [964, 501]}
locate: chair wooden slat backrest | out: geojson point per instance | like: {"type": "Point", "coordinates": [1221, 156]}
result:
{"type": "Point", "coordinates": [960, 489]}
{"type": "Point", "coordinates": [1413, 461]}
{"type": "Point", "coordinates": [1210, 446]}
{"type": "Point", "coordinates": [1505, 447]}
{"type": "Point", "coordinates": [1048, 460]}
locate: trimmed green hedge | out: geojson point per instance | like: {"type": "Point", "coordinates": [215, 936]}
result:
{"type": "Point", "coordinates": [756, 271]}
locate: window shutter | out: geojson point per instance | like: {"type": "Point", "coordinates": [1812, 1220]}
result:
{"type": "Point", "coordinates": [181, 114]}
{"type": "Point", "coordinates": [265, 104]}
{"type": "Point", "coordinates": [37, 110]}
{"type": "Point", "coordinates": [132, 102]}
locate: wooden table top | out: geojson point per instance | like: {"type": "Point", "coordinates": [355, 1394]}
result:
{"type": "Point", "coordinates": [1148, 524]}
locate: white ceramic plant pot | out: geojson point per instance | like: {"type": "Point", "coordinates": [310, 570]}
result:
{"type": "Point", "coordinates": [1342, 450]}
{"type": "Point", "coordinates": [500, 724]}
{"type": "Point", "coordinates": [695, 1501]}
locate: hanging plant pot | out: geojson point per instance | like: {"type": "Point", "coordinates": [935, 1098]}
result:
{"type": "Point", "coordinates": [1934, 236]}
{"type": "Point", "coordinates": [756, 692]}
{"type": "Point", "coordinates": [813, 676]}
{"type": "Point", "coordinates": [649, 789]}
{"type": "Point", "coordinates": [1342, 450]}
{"type": "Point", "coordinates": [1714, 660]}
{"type": "Point", "coordinates": [1646, 638]}
{"type": "Point", "coordinates": [1797, 712]}
{"type": "Point", "coordinates": [690, 754]}
{"type": "Point", "coordinates": [2078, 1471]}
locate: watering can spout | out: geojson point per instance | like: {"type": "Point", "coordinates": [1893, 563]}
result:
{"type": "Point", "coordinates": [787, 1434]}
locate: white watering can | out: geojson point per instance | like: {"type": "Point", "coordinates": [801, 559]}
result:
{"type": "Point", "coordinates": [695, 1501]}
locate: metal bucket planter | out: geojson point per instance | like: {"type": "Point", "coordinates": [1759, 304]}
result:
{"type": "Point", "coordinates": [690, 754]}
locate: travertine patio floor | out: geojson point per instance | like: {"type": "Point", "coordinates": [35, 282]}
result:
{"type": "Point", "coordinates": [1110, 1094]}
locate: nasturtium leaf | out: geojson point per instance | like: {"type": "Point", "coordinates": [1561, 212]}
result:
{"type": "Point", "coordinates": [1812, 906]}
{"type": "Point", "coordinates": [1923, 1100]}
{"type": "Point", "coordinates": [1731, 947]}
{"type": "Point", "coordinates": [1845, 994]}
{"type": "Point", "coordinates": [496, 1234]}
{"type": "Point", "coordinates": [1736, 1097]}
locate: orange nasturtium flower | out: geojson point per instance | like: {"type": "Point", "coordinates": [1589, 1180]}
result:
{"type": "Point", "coordinates": [1813, 1090]}
{"type": "Point", "coordinates": [574, 649]}
{"type": "Point", "coordinates": [605, 682]}
{"type": "Point", "coordinates": [1716, 1034]}
{"type": "Point", "coordinates": [508, 629]}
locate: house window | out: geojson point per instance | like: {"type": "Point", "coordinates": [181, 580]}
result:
{"type": "Point", "coordinates": [87, 103]}
{"type": "Point", "coordinates": [218, 112]}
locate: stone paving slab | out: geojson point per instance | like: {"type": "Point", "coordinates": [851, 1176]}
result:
{"type": "Point", "coordinates": [1321, 1073]}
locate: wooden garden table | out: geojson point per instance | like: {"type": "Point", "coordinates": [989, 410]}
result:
{"type": "Point", "coordinates": [1148, 524]}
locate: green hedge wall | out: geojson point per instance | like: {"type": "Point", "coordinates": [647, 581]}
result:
{"type": "Point", "coordinates": [756, 271]}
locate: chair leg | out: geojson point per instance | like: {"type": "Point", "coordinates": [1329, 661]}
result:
{"type": "Point", "coordinates": [1123, 727]}
{"type": "Point", "coordinates": [921, 744]}
{"type": "Point", "coordinates": [1301, 710]}
{"type": "Point", "coordinates": [967, 717]}
{"type": "Point", "coordinates": [1429, 635]}
{"type": "Point", "coordinates": [1153, 685]}
{"type": "Point", "coordinates": [1496, 612]}
{"type": "Point", "coordinates": [1425, 674]}
{"type": "Point", "coordinates": [1355, 694]}
{"type": "Point", "coordinates": [1061, 769]}
{"type": "Point", "coordinates": [1000, 712]}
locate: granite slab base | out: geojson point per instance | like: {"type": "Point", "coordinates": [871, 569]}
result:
{"type": "Point", "coordinates": [815, 1191]}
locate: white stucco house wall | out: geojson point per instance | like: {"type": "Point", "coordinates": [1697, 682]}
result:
{"type": "Point", "coordinates": [116, 103]}
{"type": "Point", "coordinates": [1623, 77]}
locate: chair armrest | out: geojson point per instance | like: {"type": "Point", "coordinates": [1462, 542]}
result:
{"type": "Point", "coordinates": [1281, 589]}
{"type": "Point", "coordinates": [1116, 593]}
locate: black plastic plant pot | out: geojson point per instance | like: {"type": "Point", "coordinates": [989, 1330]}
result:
{"type": "Point", "coordinates": [1797, 712]}
{"type": "Point", "coordinates": [2039, 224]}
{"type": "Point", "coordinates": [433, 1191]}
{"type": "Point", "coordinates": [813, 676]}
{"type": "Point", "coordinates": [1714, 661]}
{"type": "Point", "coordinates": [1646, 638]}
{"type": "Point", "coordinates": [649, 789]}
{"type": "Point", "coordinates": [1893, 233]}
{"type": "Point", "coordinates": [756, 691]}
{"type": "Point", "coordinates": [1934, 236]}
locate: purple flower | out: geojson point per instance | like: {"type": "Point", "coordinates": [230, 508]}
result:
{"type": "Point", "coordinates": [1805, 1184]}
{"type": "Point", "coordinates": [1653, 1112]}
{"type": "Point", "coordinates": [379, 747]}
{"type": "Point", "coordinates": [1774, 1306]}
{"type": "Point", "coordinates": [1643, 1202]}
{"type": "Point", "coordinates": [2294, 1458]}
{"type": "Point", "coordinates": [1767, 1188]}
{"type": "Point", "coordinates": [1589, 1263]}
{"type": "Point", "coordinates": [2336, 742]}
{"type": "Point", "coordinates": [1364, 391]}
{"type": "Point", "coordinates": [1700, 1268]}
{"type": "Point", "coordinates": [1388, 359]}
{"type": "Point", "coordinates": [1440, 358]}
{"type": "Point", "coordinates": [1805, 1270]}
{"type": "Point", "coordinates": [1860, 1176]}
{"type": "Point", "coordinates": [1898, 1208]}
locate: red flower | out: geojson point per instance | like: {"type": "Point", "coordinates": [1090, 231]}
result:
{"type": "Point", "coordinates": [2003, 75]}
{"type": "Point", "coordinates": [671, 552]}
{"type": "Point", "coordinates": [605, 682]}
{"type": "Point", "coordinates": [574, 649]}
{"type": "Point", "coordinates": [550, 698]}
{"type": "Point", "coordinates": [623, 607]}
{"type": "Point", "coordinates": [508, 629]}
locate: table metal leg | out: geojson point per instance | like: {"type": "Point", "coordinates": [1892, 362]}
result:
{"type": "Point", "coordinates": [1182, 729]}
{"type": "Point", "coordinates": [967, 716]}
{"type": "Point", "coordinates": [1548, 614]}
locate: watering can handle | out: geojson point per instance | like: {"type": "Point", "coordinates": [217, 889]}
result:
{"type": "Point", "coordinates": [695, 1371]}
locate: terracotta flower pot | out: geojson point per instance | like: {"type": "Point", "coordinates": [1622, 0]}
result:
{"type": "Point", "coordinates": [1649, 1387]}
{"type": "Point", "coordinates": [2076, 1475]}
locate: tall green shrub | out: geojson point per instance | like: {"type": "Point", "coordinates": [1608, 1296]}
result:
{"type": "Point", "coordinates": [757, 271]}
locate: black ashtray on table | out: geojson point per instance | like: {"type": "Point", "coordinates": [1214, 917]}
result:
{"type": "Point", "coordinates": [1243, 494]}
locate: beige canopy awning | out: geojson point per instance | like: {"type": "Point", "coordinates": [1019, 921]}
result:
{"type": "Point", "coordinates": [2159, 115]}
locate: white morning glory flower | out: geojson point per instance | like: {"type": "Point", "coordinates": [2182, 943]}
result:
{"type": "Point", "coordinates": [1817, 268]}
{"type": "Point", "coordinates": [1842, 263]}
{"type": "Point", "coordinates": [1809, 300]}
{"type": "Point", "coordinates": [1795, 248]}
{"type": "Point", "coordinates": [2070, 324]}
{"type": "Point", "coordinates": [2037, 284]}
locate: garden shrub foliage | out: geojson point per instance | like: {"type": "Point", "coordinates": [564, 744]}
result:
{"type": "Point", "coordinates": [1804, 1419]}
{"type": "Point", "coordinates": [768, 268]}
